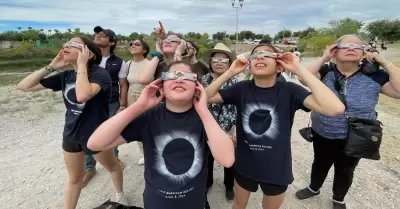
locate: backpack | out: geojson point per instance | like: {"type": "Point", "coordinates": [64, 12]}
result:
{"type": "Point", "coordinates": [113, 205]}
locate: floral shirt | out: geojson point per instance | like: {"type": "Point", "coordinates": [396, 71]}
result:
{"type": "Point", "coordinates": [224, 114]}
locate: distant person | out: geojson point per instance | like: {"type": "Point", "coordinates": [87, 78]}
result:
{"type": "Point", "coordinates": [383, 47]}
{"type": "Point", "coordinates": [86, 90]}
{"type": "Point", "coordinates": [118, 70]}
{"type": "Point", "coordinates": [139, 50]}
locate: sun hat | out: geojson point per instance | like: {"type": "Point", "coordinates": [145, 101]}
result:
{"type": "Point", "coordinates": [220, 47]}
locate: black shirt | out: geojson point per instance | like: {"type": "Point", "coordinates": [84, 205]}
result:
{"type": "Point", "coordinates": [175, 157]}
{"type": "Point", "coordinates": [81, 119]}
{"type": "Point", "coordinates": [263, 128]}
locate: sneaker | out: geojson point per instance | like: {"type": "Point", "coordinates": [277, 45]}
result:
{"type": "Point", "coordinates": [230, 194]}
{"type": "Point", "coordinates": [337, 205]}
{"type": "Point", "coordinates": [306, 193]}
{"type": "Point", "coordinates": [141, 161]}
{"type": "Point", "coordinates": [122, 199]}
{"type": "Point", "coordinates": [121, 163]}
{"type": "Point", "coordinates": [88, 176]}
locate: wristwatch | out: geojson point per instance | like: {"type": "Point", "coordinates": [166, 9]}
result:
{"type": "Point", "coordinates": [122, 107]}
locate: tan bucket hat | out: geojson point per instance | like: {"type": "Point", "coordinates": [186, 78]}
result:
{"type": "Point", "coordinates": [220, 47]}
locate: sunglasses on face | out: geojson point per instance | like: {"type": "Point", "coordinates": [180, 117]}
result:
{"type": "Point", "coordinates": [178, 74]}
{"type": "Point", "coordinates": [135, 44]}
{"type": "Point", "coordinates": [170, 40]}
{"type": "Point", "coordinates": [256, 55]}
{"type": "Point", "coordinates": [72, 44]}
{"type": "Point", "coordinates": [219, 60]}
{"type": "Point", "coordinates": [350, 46]}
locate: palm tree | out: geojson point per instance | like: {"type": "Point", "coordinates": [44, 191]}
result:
{"type": "Point", "coordinates": [56, 31]}
{"type": "Point", "coordinates": [69, 30]}
{"type": "Point", "coordinates": [77, 30]}
{"type": "Point", "coordinates": [41, 30]}
{"type": "Point", "coordinates": [29, 28]}
{"type": "Point", "coordinates": [19, 28]}
{"type": "Point", "coordinates": [49, 32]}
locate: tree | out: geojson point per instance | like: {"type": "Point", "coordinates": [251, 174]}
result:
{"type": "Point", "coordinates": [69, 30]}
{"type": "Point", "coordinates": [29, 28]}
{"type": "Point", "coordinates": [388, 30]}
{"type": "Point", "coordinates": [249, 35]}
{"type": "Point", "coordinates": [283, 34]}
{"type": "Point", "coordinates": [205, 36]}
{"type": "Point", "coordinates": [19, 28]}
{"type": "Point", "coordinates": [219, 36]}
{"type": "Point", "coordinates": [267, 37]}
{"type": "Point", "coordinates": [77, 30]}
{"type": "Point", "coordinates": [345, 26]}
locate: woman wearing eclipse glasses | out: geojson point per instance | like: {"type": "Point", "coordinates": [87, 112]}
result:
{"type": "Point", "coordinates": [175, 135]}
{"type": "Point", "coordinates": [265, 113]}
{"type": "Point", "coordinates": [220, 59]}
{"type": "Point", "coordinates": [358, 84]}
{"type": "Point", "coordinates": [86, 90]}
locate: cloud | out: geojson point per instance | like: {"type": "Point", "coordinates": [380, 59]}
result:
{"type": "Point", "coordinates": [126, 16]}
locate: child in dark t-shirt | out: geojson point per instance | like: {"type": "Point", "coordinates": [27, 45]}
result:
{"type": "Point", "coordinates": [174, 136]}
{"type": "Point", "coordinates": [266, 110]}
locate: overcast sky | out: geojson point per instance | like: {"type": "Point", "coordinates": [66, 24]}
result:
{"type": "Point", "coordinates": [126, 16]}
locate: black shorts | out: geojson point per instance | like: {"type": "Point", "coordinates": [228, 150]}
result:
{"type": "Point", "coordinates": [73, 147]}
{"type": "Point", "coordinates": [252, 186]}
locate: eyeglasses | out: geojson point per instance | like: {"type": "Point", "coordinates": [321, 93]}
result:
{"type": "Point", "coordinates": [255, 55]}
{"type": "Point", "coordinates": [72, 44]}
{"type": "Point", "coordinates": [178, 74]}
{"type": "Point", "coordinates": [135, 44]}
{"type": "Point", "coordinates": [219, 60]}
{"type": "Point", "coordinates": [351, 46]}
{"type": "Point", "coordinates": [170, 40]}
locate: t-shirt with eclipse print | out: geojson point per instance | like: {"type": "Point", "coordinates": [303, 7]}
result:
{"type": "Point", "coordinates": [263, 128]}
{"type": "Point", "coordinates": [81, 119]}
{"type": "Point", "coordinates": [175, 157]}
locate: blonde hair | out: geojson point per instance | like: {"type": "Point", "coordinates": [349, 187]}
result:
{"type": "Point", "coordinates": [340, 39]}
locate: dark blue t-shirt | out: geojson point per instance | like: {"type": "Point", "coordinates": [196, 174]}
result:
{"type": "Point", "coordinates": [81, 119]}
{"type": "Point", "coordinates": [175, 157]}
{"type": "Point", "coordinates": [263, 128]}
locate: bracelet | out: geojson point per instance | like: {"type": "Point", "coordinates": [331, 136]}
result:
{"type": "Point", "coordinates": [122, 107]}
{"type": "Point", "coordinates": [49, 68]}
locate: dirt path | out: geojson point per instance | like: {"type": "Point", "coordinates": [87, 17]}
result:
{"type": "Point", "coordinates": [33, 173]}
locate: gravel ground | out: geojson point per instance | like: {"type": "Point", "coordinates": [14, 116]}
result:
{"type": "Point", "coordinates": [33, 174]}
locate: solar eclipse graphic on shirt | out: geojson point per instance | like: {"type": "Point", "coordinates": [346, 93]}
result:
{"type": "Point", "coordinates": [68, 88]}
{"type": "Point", "coordinates": [260, 121]}
{"type": "Point", "coordinates": [161, 143]}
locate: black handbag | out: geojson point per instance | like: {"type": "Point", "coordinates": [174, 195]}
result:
{"type": "Point", "coordinates": [364, 136]}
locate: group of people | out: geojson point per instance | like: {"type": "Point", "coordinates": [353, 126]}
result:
{"type": "Point", "coordinates": [185, 115]}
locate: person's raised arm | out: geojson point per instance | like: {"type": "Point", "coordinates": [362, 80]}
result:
{"type": "Point", "coordinates": [146, 75]}
{"type": "Point", "coordinates": [85, 89]}
{"type": "Point", "coordinates": [322, 99]}
{"type": "Point", "coordinates": [316, 65]}
{"type": "Point", "coordinates": [33, 82]}
{"type": "Point", "coordinates": [220, 143]}
{"type": "Point", "coordinates": [212, 90]}
{"type": "Point", "coordinates": [108, 134]}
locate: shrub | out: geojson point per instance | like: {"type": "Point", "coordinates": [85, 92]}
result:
{"type": "Point", "coordinates": [315, 43]}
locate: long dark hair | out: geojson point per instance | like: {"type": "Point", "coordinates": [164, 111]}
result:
{"type": "Point", "coordinates": [145, 46]}
{"type": "Point", "coordinates": [93, 47]}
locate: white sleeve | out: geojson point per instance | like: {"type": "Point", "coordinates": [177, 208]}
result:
{"type": "Point", "coordinates": [123, 72]}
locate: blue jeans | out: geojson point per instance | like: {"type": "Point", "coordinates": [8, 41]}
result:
{"type": "Point", "coordinates": [90, 161]}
